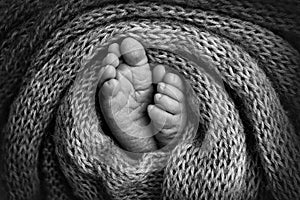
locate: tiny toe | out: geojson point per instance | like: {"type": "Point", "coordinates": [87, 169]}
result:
{"type": "Point", "coordinates": [158, 73]}
{"type": "Point", "coordinates": [115, 49]}
{"type": "Point", "coordinates": [161, 118]}
{"type": "Point", "coordinates": [170, 91]}
{"type": "Point", "coordinates": [168, 104]}
{"type": "Point", "coordinates": [110, 88]}
{"type": "Point", "coordinates": [111, 59]}
{"type": "Point", "coordinates": [175, 80]}
{"type": "Point", "coordinates": [133, 52]}
{"type": "Point", "coordinates": [106, 73]}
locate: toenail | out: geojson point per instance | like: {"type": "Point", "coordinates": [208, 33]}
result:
{"type": "Point", "coordinates": [158, 96]}
{"type": "Point", "coordinates": [105, 67]}
{"type": "Point", "coordinates": [150, 107]}
{"type": "Point", "coordinates": [162, 85]}
{"type": "Point", "coordinates": [109, 83]}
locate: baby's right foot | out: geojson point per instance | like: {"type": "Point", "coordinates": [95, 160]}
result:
{"type": "Point", "coordinates": [169, 113]}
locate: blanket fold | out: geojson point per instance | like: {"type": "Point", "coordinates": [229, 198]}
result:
{"type": "Point", "coordinates": [54, 142]}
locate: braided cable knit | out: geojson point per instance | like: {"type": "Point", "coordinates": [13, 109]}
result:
{"type": "Point", "coordinates": [55, 143]}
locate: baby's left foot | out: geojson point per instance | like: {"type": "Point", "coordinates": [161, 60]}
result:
{"type": "Point", "coordinates": [168, 114]}
{"type": "Point", "coordinates": [125, 92]}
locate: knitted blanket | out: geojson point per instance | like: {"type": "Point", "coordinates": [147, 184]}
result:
{"type": "Point", "coordinates": [56, 145]}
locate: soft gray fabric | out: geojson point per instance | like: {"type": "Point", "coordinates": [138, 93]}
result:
{"type": "Point", "coordinates": [54, 142]}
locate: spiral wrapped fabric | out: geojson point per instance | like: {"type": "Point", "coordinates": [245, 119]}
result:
{"type": "Point", "coordinates": [53, 138]}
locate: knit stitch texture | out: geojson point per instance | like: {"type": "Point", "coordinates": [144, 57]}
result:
{"type": "Point", "coordinates": [55, 143]}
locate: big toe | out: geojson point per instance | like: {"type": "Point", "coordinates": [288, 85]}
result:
{"type": "Point", "coordinates": [133, 52]}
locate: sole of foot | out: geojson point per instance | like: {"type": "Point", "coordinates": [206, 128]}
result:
{"type": "Point", "coordinates": [169, 113]}
{"type": "Point", "coordinates": [125, 92]}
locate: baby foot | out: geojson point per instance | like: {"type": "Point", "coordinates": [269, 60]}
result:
{"type": "Point", "coordinates": [168, 114]}
{"type": "Point", "coordinates": [125, 92]}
